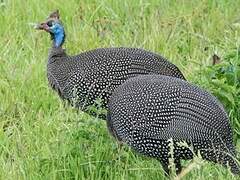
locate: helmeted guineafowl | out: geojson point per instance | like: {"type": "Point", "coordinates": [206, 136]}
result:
{"type": "Point", "coordinates": [83, 78]}
{"type": "Point", "coordinates": [147, 111]}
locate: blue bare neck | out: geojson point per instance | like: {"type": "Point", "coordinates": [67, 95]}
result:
{"type": "Point", "coordinates": [58, 35]}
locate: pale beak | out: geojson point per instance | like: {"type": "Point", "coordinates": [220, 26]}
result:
{"type": "Point", "coordinates": [42, 26]}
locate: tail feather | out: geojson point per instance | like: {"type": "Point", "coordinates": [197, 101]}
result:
{"type": "Point", "coordinates": [224, 158]}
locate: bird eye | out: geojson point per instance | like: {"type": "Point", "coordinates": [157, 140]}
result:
{"type": "Point", "coordinates": [50, 23]}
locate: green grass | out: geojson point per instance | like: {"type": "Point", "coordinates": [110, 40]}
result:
{"type": "Point", "coordinates": [41, 139]}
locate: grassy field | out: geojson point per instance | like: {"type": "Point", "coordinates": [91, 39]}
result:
{"type": "Point", "coordinates": [42, 139]}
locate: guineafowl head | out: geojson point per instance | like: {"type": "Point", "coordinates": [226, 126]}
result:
{"type": "Point", "coordinates": [54, 26]}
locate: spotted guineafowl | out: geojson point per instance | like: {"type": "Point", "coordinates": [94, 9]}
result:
{"type": "Point", "coordinates": [147, 111]}
{"type": "Point", "coordinates": [83, 78]}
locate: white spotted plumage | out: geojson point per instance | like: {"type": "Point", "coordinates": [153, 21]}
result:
{"type": "Point", "coordinates": [146, 111]}
{"type": "Point", "coordinates": [95, 74]}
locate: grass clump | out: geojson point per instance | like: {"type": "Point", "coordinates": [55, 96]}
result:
{"type": "Point", "coordinates": [223, 80]}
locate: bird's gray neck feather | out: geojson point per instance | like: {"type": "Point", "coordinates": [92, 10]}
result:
{"type": "Point", "coordinates": [56, 53]}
